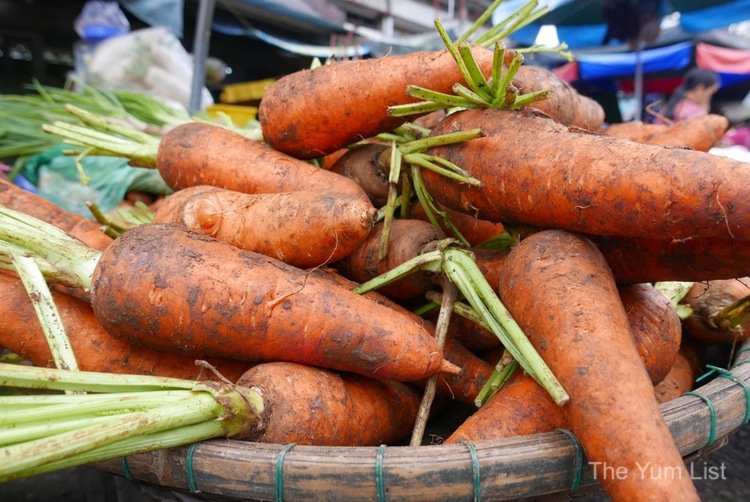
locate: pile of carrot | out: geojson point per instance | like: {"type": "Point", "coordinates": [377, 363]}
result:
{"type": "Point", "coordinates": [254, 261]}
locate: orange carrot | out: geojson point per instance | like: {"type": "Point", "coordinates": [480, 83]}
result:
{"type": "Point", "coordinates": [304, 229]}
{"type": "Point", "coordinates": [368, 165]}
{"type": "Point", "coordinates": [709, 321]}
{"type": "Point", "coordinates": [679, 380]}
{"type": "Point", "coordinates": [699, 133]}
{"type": "Point", "coordinates": [201, 154]}
{"type": "Point", "coordinates": [655, 326]}
{"type": "Point", "coordinates": [565, 105]}
{"type": "Point", "coordinates": [311, 113]}
{"type": "Point", "coordinates": [94, 349]}
{"type": "Point", "coordinates": [537, 172]}
{"type": "Point", "coordinates": [650, 260]}
{"type": "Point", "coordinates": [558, 287]}
{"type": "Point", "coordinates": [312, 406]}
{"type": "Point", "coordinates": [522, 407]}
{"type": "Point", "coordinates": [407, 239]}
{"type": "Point", "coordinates": [173, 290]}
{"type": "Point", "coordinates": [86, 230]}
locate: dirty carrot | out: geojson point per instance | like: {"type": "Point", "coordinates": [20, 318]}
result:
{"type": "Point", "coordinates": [650, 260]}
{"type": "Point", "coordinates": [559, 288]}
{"type": "Point", "coordinates": [314, 406]}
{"type": "Point", "coordinates": [304, 229]}
{"type": "Point", "coordinates": [531, 174]}
{"type": "Point", "coordinates": [681, 377]}
{"type": "Point", "coordinates": [565, 104]}
{"type": "Point", "coordinates": [95, 350]}
{"type": "Point", "coordinates": [167, 288]}
{"type": "Point", "coordinates": [698, 133]}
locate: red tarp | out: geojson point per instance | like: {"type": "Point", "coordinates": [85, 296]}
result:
{"type": "Point", "coordinates": [722, 59]}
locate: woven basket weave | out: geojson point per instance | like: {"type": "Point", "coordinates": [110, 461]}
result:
{"type": "Point", "coordinates": [507, 469]}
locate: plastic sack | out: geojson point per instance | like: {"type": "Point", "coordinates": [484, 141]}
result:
{"type": "Point", "coordinates": [57, 179]}
{"type": "Point", "coordinates": [151, 60]}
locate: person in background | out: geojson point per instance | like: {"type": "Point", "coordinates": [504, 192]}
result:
{"type": "Point", "coordinates": [692, 98]}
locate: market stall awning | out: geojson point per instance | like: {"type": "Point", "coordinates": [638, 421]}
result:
{"type": "Point", "coordinates": [732, 65]}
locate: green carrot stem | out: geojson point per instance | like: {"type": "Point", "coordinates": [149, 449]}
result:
{"type": "Point", "coordinates": [530, 97]}
{"type": "Point", "coordinates": [431, 208]}
{"type": "Point", "coordinates": [74, 260]}
{"type": "Point", "coordinates": [37, 430]}
{"type": "Point", "coordinates": [414, 108]}
{"type": "Point", "coordinates": [731, 317]}
{"type": "Point", "coordinates": [31, 377]}
{"type": "Point", "coordinates": [450, 294]}
{"type": "Point", "coordinates": [498, 57]}
{"type": "Point", "coordinates": [505, 80]}
{"type": "Point", "coordinates": [394, 174]}
{"type": "Point", "coordinates": [109, 403]}
{"type": "Point", "coordinates": [144, 154]}
{"type": "Point", "coordinates": [560, 49]}
{"type": "Point", "coordinates": [111, 228]}
{"type": "Point", "coordinates": [459, 308]}
{"type": "Point", "coordinates": [17, 458]}
{"type": "Point", "coordinates": [481, 86]}
{"type": "Point", "coordinates": [469, 279]}
{"type": "Point", "coordinates": [82, 176]}
{"type": "Point", "coordinates": [427, 261]}
{"type": "Point", "coordinates": [433, 164]}
{"type": "Point", "coordinates": [105, 124]}
{"type": "Point", "coordinates": [422, 144]}
{"type": "Point", "coordinates": [138, 444]}
{"type": "Point", "coordinates": [502, 241]}
{"type": "Point", "coordinates": [483, 18]}
{"type": "Point", "coordinates": [46, 312]}
{"type": "Point", "coordinates": [447, 100]}
{"type": "Point", "coordinates": [500, 375]}
{"type": "Point", "coordinates": [453, 50]}
{"type": "Point", "coordinates": [471, 96]}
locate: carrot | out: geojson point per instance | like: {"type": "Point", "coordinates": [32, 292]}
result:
{"type": "Point", "coordinates": [169, 289]}
{"type": "Point", "coordinates": [655, 326]}
{"type": "Point", "coordinates": [471, 335]}
{"type": "Point", "coordinates": [537, 172]}
{"type": "Point", "coordinates": [713, 319]}
{"type": "Point", "coordinates": [408, 238]}
{"type": "Point", "coordinates": [198, 153]}
{"type": "Point", "coordinates": [311, 113]}
{"type": "Point", "coordinates": [313, 406]}
{"type": "Point", "coordinates": [304, 229]}
{"type": "Point", "coordinates": [565, 105]}
{"type": "Point", "coordinates": [699, 133]}
{"type": "Point", "coordinates": [94, 349]}
{"type": "Point", "coordinates": [559, 288]}
{"type": "Point", "coordinates": [650, 260]}
{"type": "Point", "coordinates": [679, 380]}
{"type": "Point", "coordinates": [22, 200]}
{"type": "Point", "coordinates": [522, 407]}
{"type": "Point", "coordinates": [368, 165]}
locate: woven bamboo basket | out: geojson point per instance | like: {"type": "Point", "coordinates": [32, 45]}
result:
{"type": "Point", "coordinates": [507, 469]}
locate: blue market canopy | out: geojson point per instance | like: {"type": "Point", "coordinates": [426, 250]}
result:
{"type": "Point", "coordinates": [582, 23]}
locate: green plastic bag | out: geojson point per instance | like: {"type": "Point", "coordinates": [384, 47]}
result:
{"type": "Point", "coordinates": [110, 178]}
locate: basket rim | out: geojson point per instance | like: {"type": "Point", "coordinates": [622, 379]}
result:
{"type": "Point", "coordinates": [700, 422]}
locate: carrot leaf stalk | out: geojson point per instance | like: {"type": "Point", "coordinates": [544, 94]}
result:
{"type": "Point", "coordinates": [731, 317]}
{"type": "Point", "coordinates": [450, 293]}
{"type": "Point", "coordinates": [458, 265]}
{"type": "Point", "coordinates": [46, 311]}
{"type": "Point", "coordinates": [411, 152]}
{"type": "Point", "coordinates": [128, 414]}
{"type": "Point", "coordinates": [58, 255]}
{"type": "Point", "coordinates": [500, 375]}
